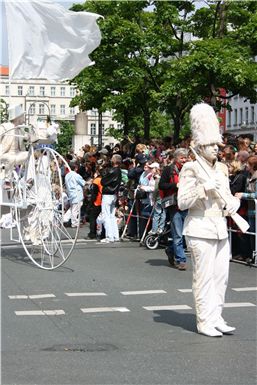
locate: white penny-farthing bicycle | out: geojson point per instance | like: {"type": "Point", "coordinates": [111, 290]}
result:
{"type": "Point", "coordinates": [37, 201]}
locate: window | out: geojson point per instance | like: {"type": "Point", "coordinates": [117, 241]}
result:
{"type": "Point", "coordinates": [119, 126]}
{"type": "Point", "coordinates": [252, 114]}
{"type": "Point", "coordinates": [229, 118]}
{"type": "Point", "coordinates": [62, 109]}
{"type": "Point", "coordinates": [235, 117]}
{"type": "Point", "coordinates": [52, 91]}
{"type": "Point", "coordinates": [246, 115]}
{"type": "Point", "coordinates": [7, 90]}
{"type": "Point", "coordinates": [241, 116]}
{"type": "Point", "coordinates": [53, 109]}
{"type": "Point", "coordinates": [20, 90]}
{"type": "Point", "coordinates": [72, 110]}
{"type": "Point", "coordinates": [32, 109]}
{"type": "Point", "coordinates": [31, 91]}
{"type": "Point", "coordinates": [42, 91]}
{"type": "Point", "coordinates": [111, 125]}
{"type": "Point", "coordinates": [62, 91]}
{"type": "Point", "coordinates": [72, 92]}
{"type": "Point", "coordinates": [41, 109]}
{"type": "Point", "coordinates": [93, 129]}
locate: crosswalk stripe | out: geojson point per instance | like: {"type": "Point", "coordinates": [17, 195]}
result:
{"type": "Point", "coordinates": [167, 307]}
{"type": "Point", "coordinates": [85, 294]}
{"type": "Point", "coordinates": [104, 309]}
{"type": "Point", "coordinates": [143, 292]}
{"type": "Point", "coordinates": [33, 296]}
{"type": "Point", "coordinates": [244, 288]}
{"type": "Point", "coordinates": [239, 304]}
{"type": "Point", "coordinates": [40, 312]}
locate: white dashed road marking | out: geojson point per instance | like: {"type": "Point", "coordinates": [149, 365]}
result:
{"type": "Point", "coordinates": [104, 309]}
{"type": "Point", "coordinates": [185, 290]}
{"type": "Point", "coordinates": [239, 304]}
{"type": "Point", "coordinates": [244, 288]}
{"type": "Point", "coordinates": [84, 294]}
{"type": "Point", "coordinates": [33, 296]}
{"type": "Point", "coordinates": [167, 307]}
{"type": "Point", "coordinates": [143, 292]}
{"type": "Point", "coordinates": [40, 312]}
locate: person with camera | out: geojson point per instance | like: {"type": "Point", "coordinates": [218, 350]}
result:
{"type": "Point", "coordinates": [168, 186]}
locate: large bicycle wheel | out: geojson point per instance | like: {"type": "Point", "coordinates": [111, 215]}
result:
{"type": "Point", "coordinates": [40, 221]}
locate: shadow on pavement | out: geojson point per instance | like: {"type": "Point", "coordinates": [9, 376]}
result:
{"type": "Point", "coordinates": [185, 321]}
{"type": "Point", "coordinates": [158, 262]}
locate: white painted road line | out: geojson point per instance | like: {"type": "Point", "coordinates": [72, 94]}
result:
{"type": "Point", "coordinates": [84, 294]}
{"type": "Point", "coordinates": [33, 296]}
{"type": "Point", "coordinates": [244, 288]}
{"type": "Point", "coordinates": [239, 304]}
{"type": "Point", "coordinates": [40, 312]}
{"type": "Point", "coordinates": [143, 292]}
{"type": "Point", "coordinates": [185, 290]}
{"type": "Point", "coordinates": [104, 309]}
{"type": "Point", "coordinates": [167, 307]}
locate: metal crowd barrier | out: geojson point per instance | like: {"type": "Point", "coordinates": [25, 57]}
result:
{"type": "Point", "coordinates": [254, 253]}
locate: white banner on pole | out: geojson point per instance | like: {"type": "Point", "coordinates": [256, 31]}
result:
{"type": "Point", "coordinates": [47, 41]}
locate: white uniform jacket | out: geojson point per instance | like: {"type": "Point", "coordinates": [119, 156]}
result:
{"type": "Point", "coordinates": [206, 215]}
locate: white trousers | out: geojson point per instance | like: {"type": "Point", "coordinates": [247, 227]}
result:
{"type": "Point", "coordinates": [75, 213]}
{"type": "Point", "coordinates": [110, 221]}
{"type": "Point", "coordinates": [210, 259]}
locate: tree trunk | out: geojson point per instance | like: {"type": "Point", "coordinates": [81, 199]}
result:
{"type": "Point", "coordinates": [177, 128]}
{"type": "Point", "coordinates": [126, 123]}
{"type": "Point", "coordinates": [146, 123]}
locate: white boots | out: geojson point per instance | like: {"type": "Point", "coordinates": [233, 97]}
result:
{"type": "Point", "coordinates": [224, 328]}
{"type": "Point", "coordinates": [217, 331]}
{"type": "Point", "coordinates": [209, 331]}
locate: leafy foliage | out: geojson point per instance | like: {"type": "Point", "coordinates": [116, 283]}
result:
{"type": "Point", "coordinates": [64, 143]}
{"type": "Point", "coordinates": [3, 111]}
{"type": "Point", "coordinates": [147, 63]}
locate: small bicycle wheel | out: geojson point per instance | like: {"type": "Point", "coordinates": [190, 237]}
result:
{"type": "Point", "coordinates": [47, 242]}
{"type": "Point", "coordinates": [151, 242]}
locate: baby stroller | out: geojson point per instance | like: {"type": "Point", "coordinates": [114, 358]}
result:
{"type": "Point", "coordinates": [152, 241]}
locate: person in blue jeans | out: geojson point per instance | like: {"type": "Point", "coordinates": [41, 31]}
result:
{"type": "Point", "coordinates": [168, 186]}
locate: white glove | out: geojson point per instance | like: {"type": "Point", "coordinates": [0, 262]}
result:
{"type": "Point", "coordinates": [211, 184]}
{"type": "Point", "coordinates": [233, 206]}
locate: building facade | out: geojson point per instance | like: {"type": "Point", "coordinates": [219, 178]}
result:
{"type": "Point", "coordinates": [41, 98]}
{"type": "Point", "coordinates": [242, 119]}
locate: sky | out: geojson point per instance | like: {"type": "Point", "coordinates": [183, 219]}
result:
{"type": "Point", "coordinates": [3, 43]}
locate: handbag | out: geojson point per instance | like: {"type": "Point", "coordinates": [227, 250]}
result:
{"type": "Point", "coordinates": [141, 194]}
{"type": "Point", "coordinates": [168, 201]}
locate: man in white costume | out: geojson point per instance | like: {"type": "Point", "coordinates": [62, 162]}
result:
{"type": "Point", "coordinates": [205, 226]}
{"type": "Point", "coordinates": [12, 149]}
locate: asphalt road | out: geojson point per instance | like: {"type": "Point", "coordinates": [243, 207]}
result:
{"type": "Point", "coordinates": [118, 314]}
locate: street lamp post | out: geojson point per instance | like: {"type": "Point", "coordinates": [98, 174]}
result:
{"type": "Point", "coordinates": [100, 129]}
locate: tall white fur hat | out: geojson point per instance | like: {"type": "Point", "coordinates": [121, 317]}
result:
{"type": "Point", "coordinates": [15, 111]}
{"type": "Point", "coordinates": [204, 125]}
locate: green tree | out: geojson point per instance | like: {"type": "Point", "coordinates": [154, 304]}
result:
{"type": "Point", "coordinates": [3, 111]}
{"type": "Point", "coordinates": [64, 144]}
{"type": "Point", "coordinates": [146, 63]}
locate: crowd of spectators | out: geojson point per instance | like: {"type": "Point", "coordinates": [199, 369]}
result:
{"type": "Point", "coordinates": [142, 168]}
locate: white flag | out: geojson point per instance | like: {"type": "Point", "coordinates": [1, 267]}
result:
{"type": "Point", "coordinates": [47, 41]}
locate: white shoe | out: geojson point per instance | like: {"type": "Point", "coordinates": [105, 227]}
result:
{"type": "Point", "coordinates": [105, 240]}
{"type": "Point", "coordinates": [209, 331]}
{"type": "Point", "coordinates": [224, 328]}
